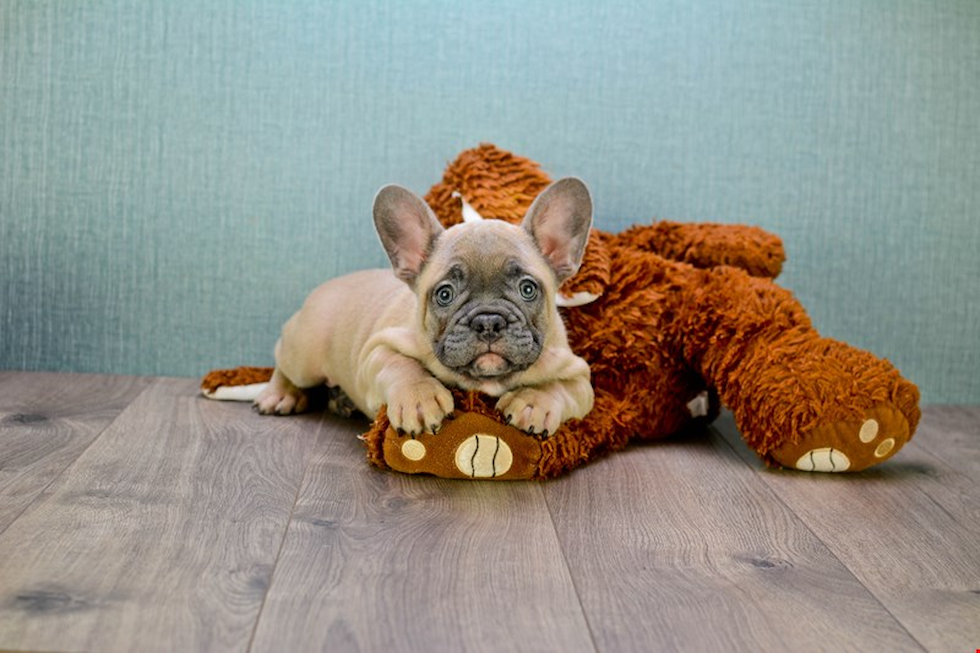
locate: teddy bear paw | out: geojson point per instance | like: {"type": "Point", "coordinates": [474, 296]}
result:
{"type": "Point", "coordinates": [469, 446]}
{"type": "Point", "coordinates": [849, 446]}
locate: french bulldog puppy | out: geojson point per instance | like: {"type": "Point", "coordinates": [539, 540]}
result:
{"type": "Point", "coordinates": [472, 306]}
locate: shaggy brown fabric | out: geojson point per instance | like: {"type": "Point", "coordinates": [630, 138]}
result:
{"type": "Point", "coordinates": [688, 317]}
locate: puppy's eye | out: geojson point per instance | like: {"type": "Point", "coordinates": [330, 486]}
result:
{"type": "Point", "coordinates": [528, 290]}
{"type": "Point", "coordinates": [445, 294]}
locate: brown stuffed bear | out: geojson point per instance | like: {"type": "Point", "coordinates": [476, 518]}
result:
{"type": "Point", "coordinates": [670, 317]}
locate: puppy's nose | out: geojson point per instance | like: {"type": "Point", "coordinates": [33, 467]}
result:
{"type": "Point", "coordinates": [488, 326]}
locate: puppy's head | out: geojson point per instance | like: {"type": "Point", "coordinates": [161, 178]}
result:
{"type": "Point", "coordinates": [486, 290]}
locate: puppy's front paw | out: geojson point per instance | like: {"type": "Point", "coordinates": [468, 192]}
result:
{"type": "Point", "coordinates": [533, 411]}
{"type": "Point", "coordinates": [419, 407]}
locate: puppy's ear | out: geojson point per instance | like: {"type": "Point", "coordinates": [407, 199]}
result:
{"type": "Point", "coordinates": [407, 228]}
{"type": "Point", "coordinates": [559, 221]}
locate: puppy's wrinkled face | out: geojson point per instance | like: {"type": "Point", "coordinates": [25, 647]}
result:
{"type": "Point", "coordinates": [486, 289]}
{"type": "Point", "coordinates": [486, 300]}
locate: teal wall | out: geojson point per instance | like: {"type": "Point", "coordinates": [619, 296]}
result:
{"type": "Point", "coordinates": [176, 175]}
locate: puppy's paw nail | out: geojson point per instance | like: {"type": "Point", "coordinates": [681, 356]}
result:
{"type": "Point", "coordinates": [450, 416]}
{"type": "Point", "coordinates": [508, 419]}
{"type": "Point", "coordinates": [544, 434]}
{"type": "Point", "coordinates": [530, 430]}
{"type": "Point", "coordinates": [435, 428]}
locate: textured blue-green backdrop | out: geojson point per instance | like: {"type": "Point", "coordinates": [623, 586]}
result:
{"type": "Point", "coordinates": [176, 175]}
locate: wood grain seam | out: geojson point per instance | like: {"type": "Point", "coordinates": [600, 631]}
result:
{"type": "Point", "coordinates": [566, 565]}
{"type": "Point", "coordinates": [42, 492]}
{"type": "Point", "coordinates": [285, 531]}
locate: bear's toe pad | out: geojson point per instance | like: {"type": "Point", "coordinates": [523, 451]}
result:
{"type": "Point", "coordinates": [849, 445]}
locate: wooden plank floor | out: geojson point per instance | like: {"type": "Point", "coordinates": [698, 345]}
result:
{"type": "Point", "coordinates": [135, 515]}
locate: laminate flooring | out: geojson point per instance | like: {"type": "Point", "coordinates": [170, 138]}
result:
{"type": "Point", "coordinates": [137, 516]}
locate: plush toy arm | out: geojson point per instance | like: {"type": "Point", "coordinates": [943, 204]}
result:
{"type": "Point", "coordinates": [706, 245]}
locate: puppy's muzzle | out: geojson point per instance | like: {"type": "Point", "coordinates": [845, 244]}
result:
{"type": "Point", "coordinates": [488, 339]}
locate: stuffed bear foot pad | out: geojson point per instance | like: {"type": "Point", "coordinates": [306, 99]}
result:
{"type": "Point", "coordinates": [471, 446]}
{"type": "Point", "coordinates": [850, 445]}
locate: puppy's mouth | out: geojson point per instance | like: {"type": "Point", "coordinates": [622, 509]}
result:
{"type": "Point", "coordinates": [489, 365]}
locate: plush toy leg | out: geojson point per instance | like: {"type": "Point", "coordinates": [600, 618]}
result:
{"type": "Point", "coordinates": [800, 400]}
